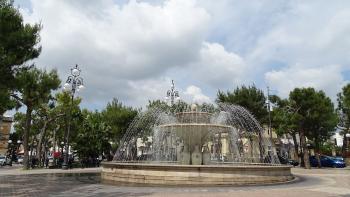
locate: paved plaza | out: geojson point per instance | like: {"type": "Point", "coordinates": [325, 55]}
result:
{"type": "Point", "coordinates": [86, 182]}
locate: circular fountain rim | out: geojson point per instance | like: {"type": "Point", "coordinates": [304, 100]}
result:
{"type": "Point", "coordinates": [221, 166]}
{"type": "Point", "coordinates": [194, 175]}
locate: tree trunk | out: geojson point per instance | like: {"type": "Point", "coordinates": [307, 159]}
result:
{"type": "Point", "coordinates": [42, 135]}
{"type": "Point", "coordinates": [317, 150]}
{"type": "Point", "coordinates": [26, 137]}
{"type": "Point", "coordinates": [296, 146]}
{"type": "Point", "coordinates": [345, 144]}
{"type": "Point", "coordinates": [31, 153]}
{"type": "Point", "coordinates": [305, 155]}
{"type": "Point", "coordinates": [55, 142]}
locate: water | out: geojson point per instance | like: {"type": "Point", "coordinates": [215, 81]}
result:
{"type": "Point", "coordinates": [229, 135]}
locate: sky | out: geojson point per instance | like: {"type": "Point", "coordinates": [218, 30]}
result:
{"type": "Point", "coordinates": [131, 50]}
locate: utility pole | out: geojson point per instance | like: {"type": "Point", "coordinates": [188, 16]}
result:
{"type": "Point", "coordinates": [269, 111]}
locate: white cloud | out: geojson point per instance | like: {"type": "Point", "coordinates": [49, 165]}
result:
{"type": "Point", "coordinates": [327, 78]}
{"type": "Point", "coordinates": [131, 50]}
{"type": "Point", "coordinates": [218, 67]}
{"type": "Point", "coordinates": [307, 36]}
{"type": "Point", "coordinates": [118, 46]}
{"type": "Point", "coordinates": [196, 95]}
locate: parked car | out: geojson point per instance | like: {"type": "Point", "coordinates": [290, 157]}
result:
{"type": "Point", "coordinates": [2, 160]}
{"type": "Point", "coordinates": [339, 158]}
{"type": "Point", "coordinates": [284, 160]}
{"type": "Point", "coordinates": [327, 161]}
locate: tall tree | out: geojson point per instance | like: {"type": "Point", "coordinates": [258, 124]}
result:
{"type": "Point", "coordinates": [344, 112]}
{"type": "Point", "coordinates": [48, 114]}
{"type": "Point", "coordinates": [283, 120]}
{"type": "Point", "coordinates": [251, 98]}
{"type": "Point", "coordinates": [118, 117]}
{"type": "Point", "coordinates": [94, 130]}
{"type": "Point", "coordinates": [34, 88]}
{"type": "Point", "coordinates": [18, 44]}
{"type": "Point", "coordinates": [315, 117]}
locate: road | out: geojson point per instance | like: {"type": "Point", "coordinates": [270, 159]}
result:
{"type": "Point", "coordinates": [86, 182]}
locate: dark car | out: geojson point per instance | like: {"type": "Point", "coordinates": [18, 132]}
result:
{"type": "Point", "coordinates": [284, 160]}
{"type": "Point", "coordinates": [327, 161]}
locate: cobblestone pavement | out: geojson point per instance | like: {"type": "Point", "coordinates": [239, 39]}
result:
{"type": "Point", "coordinates": [86, 182]}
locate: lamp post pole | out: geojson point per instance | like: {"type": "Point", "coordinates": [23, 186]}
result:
{"type": "Point", "coordinates": [172, 94]}
{"type": "Point", "coordinates": [347, 159]}
{"type": "Point", "coordinates": [74, 83]}
{"type": "Point", "coordinates": [10, 152]}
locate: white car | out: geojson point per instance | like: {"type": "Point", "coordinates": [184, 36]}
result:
{"type": "Point", "coordinates": [2, 160]}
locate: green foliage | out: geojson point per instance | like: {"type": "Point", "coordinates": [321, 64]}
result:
{"type": "Point", "coordinates": [93, 136]}
{"type": "Point", "coordinates": [158, 104]}
{"type": "Point", "coordinates": [18, 44]}
{"type": "Point", "coordinates": [72, 114]}
{"type": "Point", "coordinates": [179, 106]}
{"type": "Point", "coordinates": [35, 85]}
{"type": "Point", "coordinates": [315, 113]}
{"type": "Point", "coordinates": [282, 116]}
{"type": "Point", "coordinates": [344, 106]}
{"type": "Point", "coordinates": [251, 98]}
{"type": "Point", "coordinates": [118, 117]}
{"type": "Point", "coordinates": [326, 148]}
{"type": "Point", "coordinates": [344, 114]}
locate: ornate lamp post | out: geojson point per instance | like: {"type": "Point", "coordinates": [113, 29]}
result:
{"type": "Point", "coordinates": [74, 83]}
{"type": "Point", "coordinates": [10, 152]}
{"type": "Point", "coordinates": [172, 94]}
{"type": "Point", "coordinates": [19, 142]}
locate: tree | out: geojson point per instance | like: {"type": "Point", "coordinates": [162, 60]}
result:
{"type": "Point", "coordinates": [18, 44]}
{"type": "Point", "coordinates": [158, 104]}
{"type": "Point", "coordinates": [34, 87]}
{"type": "Point", "coordinates": [344, 112]}
{"type": "Point", "coordinates": [251, 98]}
{"type": "Point", "coordinates": [48, 114]}
{"type": "Point", "coordinates": [315, 117]}
{"type": "Point", "coordinates": [95, 131]}
{"type": "Point", "coordinates": [118, 117]}
{"type": "Point", "coordinates": [283, 121]}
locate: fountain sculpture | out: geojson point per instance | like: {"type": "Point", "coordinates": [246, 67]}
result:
{"type": "Point", "coordinates": [223, 146]}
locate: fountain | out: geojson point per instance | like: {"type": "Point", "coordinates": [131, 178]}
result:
{"type": "Point", "coordinates": [224, 146]}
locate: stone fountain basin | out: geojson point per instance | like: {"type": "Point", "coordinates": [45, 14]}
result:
{"type": "Point", "coordinates": [194, 175]}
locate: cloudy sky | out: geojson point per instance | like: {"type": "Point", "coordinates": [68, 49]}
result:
{"type": "Point", "coordinates": [131, 50]}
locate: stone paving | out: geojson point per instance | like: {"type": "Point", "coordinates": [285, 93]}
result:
{"type": "Point", "coordinates": [86, 182]}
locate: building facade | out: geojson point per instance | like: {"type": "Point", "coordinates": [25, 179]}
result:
{"type": "Point", "coordinates": [5, 128]}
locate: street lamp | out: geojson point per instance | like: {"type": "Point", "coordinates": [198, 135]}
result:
{"type": "Point", "coordinates": [74, 83]}
{"type": "Point", "coordinates": [347, 142]}
{"type": "Point", "coordinates": [172, 94]}
{"type": "Point", "coordinates": [10, 151]}
{"type": "Point", "coordinates": [19, 142]}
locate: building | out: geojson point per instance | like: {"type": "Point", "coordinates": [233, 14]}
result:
{"type": "Point", "coordinates": [5, 128]}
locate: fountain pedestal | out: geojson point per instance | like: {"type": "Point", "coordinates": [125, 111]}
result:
{"type": "Point", "coordinates": [196, 156]}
